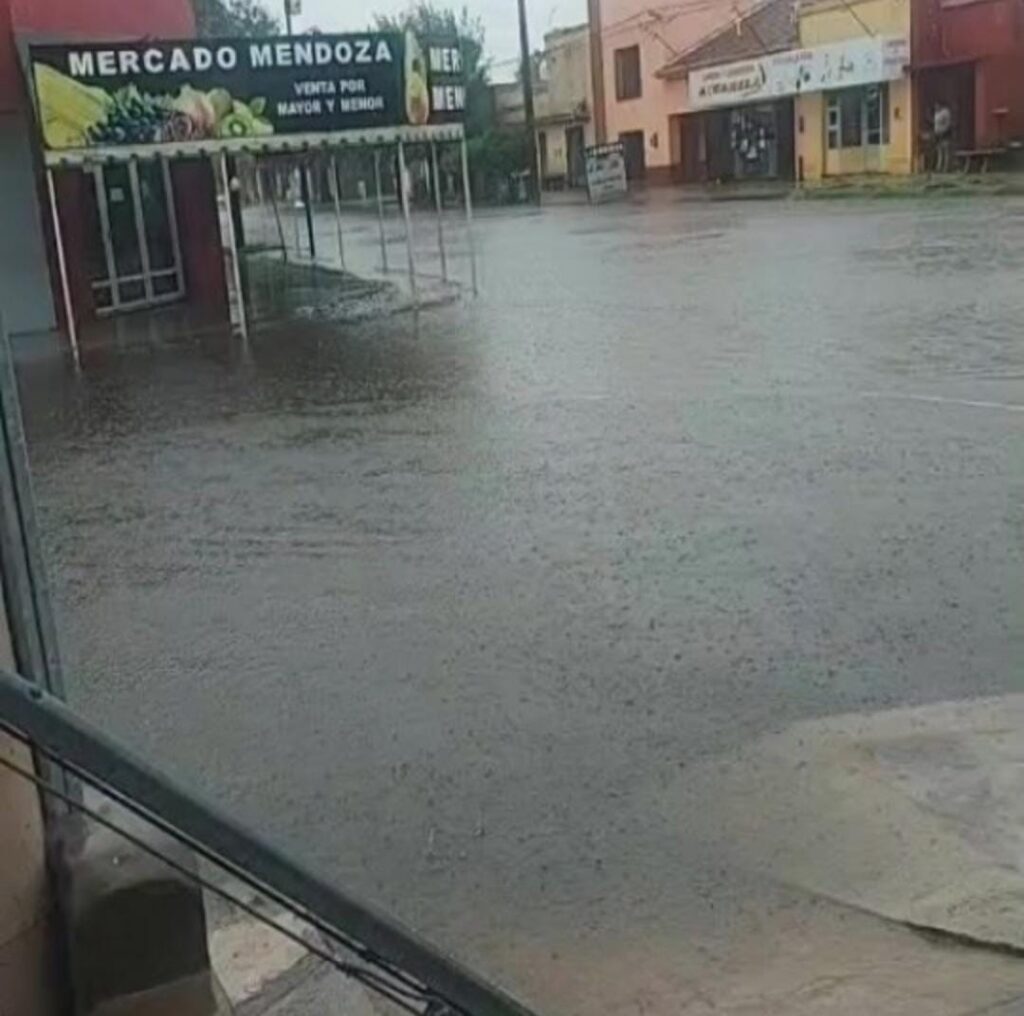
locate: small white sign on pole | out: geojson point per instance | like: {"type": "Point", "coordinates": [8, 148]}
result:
{"type": "Point", "coordinates": [606, 172]}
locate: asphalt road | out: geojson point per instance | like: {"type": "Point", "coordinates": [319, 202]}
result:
{"type": "Point", "coordinates": [444, 604]}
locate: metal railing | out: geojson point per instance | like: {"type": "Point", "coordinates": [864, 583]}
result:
{"type": "Point", "coordinates": [386, 957]}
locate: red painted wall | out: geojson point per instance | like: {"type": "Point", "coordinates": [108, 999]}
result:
{"type": "Point", "coordinates": [999, 99]}
{"type": "Point", "coordinates": [195, 197]}
{"type": "Point", "coordinates": [944, 33]}
{"type": "Point", "coordinates": [84, 19]}
{"type": "Point", "coordinates": [989, 34]}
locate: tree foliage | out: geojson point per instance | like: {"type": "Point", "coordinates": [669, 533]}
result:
{"type": "Point", "coordinates": [247, 18]}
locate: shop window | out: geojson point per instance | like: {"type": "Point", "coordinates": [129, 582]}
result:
{"type": "Point", "coordinates": [627, 73]}
{"type": "Point", "coordinates": [858, 116]}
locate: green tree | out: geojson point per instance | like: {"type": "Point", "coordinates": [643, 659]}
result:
{"type": "Point", "coordinates": [247, 18]}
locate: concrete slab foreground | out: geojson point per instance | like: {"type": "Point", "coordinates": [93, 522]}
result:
{"type": "Point", "coordinates": [915, 814]}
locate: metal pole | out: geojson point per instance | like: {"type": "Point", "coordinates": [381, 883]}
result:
{"type": "Point", "coordinates": [469, 214]}
{"type": "Point", "coordinates": [277, 214]}
{"type": "Point", "coordinates": [404, 198]}
{"type": "Point", "coordinates": [440, 210]}
{"type": "Point", "coordinates": [526, 74]}
{"type": "Point", "coordinates": [336, 194]}
{"type": "Point", "coordinates": [61, 734]}
{"type": "Point", "coordinates": [236, 268]}
{"type": "Point", "coordinates": [62, 266]}
{"type": "Point", "coordinates": [380, 210]}
{"type": "Point", "coordinates": [304, 195]}
{"type": "Point", "coordinates": [26, 592]}
{"type": "Point", "coordinates": [287, 17]}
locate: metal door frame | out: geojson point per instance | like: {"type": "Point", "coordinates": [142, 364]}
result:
{"type": "Point", "coordinates": [113, 281]}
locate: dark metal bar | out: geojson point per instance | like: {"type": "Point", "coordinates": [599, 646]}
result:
{"type": "Point", "coordinates": [56, 730]}
{"type": "Point", "coordinates": [26, 590]}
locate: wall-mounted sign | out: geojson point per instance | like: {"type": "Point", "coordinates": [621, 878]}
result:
{"type": "Point", "coordinates": [157, 92]}
{"type": "Point", "coordinates": [860, 61]}
{"type": "Point", "coordinates": [606, 171]}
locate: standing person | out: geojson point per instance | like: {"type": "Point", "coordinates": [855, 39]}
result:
{"type": "Point", "coordinates": [942, 130]}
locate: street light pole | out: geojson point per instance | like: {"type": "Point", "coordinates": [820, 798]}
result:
{"type": "Point", "coordinates": [526, 74]}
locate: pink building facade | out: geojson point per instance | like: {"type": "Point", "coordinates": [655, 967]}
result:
{"type": "Point", "coordinates": [641, 109]}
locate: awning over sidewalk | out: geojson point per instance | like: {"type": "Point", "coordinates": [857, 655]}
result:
{"type": "Point", "coordinates": [212, 147]}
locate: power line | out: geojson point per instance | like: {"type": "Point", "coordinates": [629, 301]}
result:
{"type": "Point", "coordinates": [625, 24]}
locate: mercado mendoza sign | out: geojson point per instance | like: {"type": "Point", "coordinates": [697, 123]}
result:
{"type": "Point", "coordinates": [861, 61]}
{"type": "Point", "coordinates": [102, 94]}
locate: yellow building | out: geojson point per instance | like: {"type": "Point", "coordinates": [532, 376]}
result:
{"type": "Point", "coordinates": [867, 127]}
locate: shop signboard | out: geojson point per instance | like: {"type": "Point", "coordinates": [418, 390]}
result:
{"type": "Point", "coordinates": [606, 171]}
{"type": "Point", "coordinates": [168, 92]}
{"type": "Point", "coordinates": [862, 61]}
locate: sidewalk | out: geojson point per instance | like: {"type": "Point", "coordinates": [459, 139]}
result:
{"type": "Point", "coordinates": [923, 185]}
{"type": "Point", "coordinates": [916, 815]}
{"type": "Point", "coordinates": [895, 845]}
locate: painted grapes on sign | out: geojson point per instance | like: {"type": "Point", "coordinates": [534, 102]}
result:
{"type": "Point", "coordinates": [93, 94]}
{"type": "Point", "coordinates": [74, 115]}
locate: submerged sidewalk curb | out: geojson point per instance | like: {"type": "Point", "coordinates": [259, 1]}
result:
{"type": "Point", "coordinates": [916, 815]}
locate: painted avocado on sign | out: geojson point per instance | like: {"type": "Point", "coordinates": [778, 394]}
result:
{"type": "Point", "coordinates": [164, 92]}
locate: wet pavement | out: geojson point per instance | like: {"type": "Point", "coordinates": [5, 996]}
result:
{"type": "Point", "coordinates": [444, 602]}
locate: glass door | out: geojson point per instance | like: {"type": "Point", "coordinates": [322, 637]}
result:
{"type": "Point", "coordinates": [138, 260]}
{"type": "Point", "coordinates": [876, 126]}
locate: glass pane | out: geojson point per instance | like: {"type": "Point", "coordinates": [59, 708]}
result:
{"type": "Point", "coordinates": [833, 122]}
{"type": "Point", "coordinates": [153, 197]}
{"type": "Point", "coordinates": [873, 115]}
{"type": "Point", "coordinates": [165, 284]}
{"type": "Point", "coordinates": [850, 105]}
{"type": "Point", "coordinates": [124, 235]}
{"type": "Point", "coordinates": [95, 254]}
{"type": "Point", "coordinates": [130, 292]}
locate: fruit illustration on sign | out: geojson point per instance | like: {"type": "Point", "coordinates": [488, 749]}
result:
{"type": "Point", "coordinates": [68, 110]}
{"type": "Point", "coordinates": [417, 98]}
{"type": "Point", "coordinates": [74, 115]}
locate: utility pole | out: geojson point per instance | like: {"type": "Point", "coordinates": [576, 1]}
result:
{"type": "Point", "coordinates": [597, 71]}
{"type": "Point", "coordinates": [303, 174]}
{"type": "Point", "coordinates": [526, 73]}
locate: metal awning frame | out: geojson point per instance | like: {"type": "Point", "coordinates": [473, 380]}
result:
{"type": "Point", "coordinates": [272, 144]}
{"type": "Point", "coordinates": [218, 151]}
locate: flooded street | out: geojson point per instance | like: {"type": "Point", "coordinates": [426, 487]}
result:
{"type": "Point", "coordinates": [451, 605]}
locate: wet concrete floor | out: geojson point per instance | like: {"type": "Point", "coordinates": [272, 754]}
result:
{"type": "Point", "coordinates": [443, 603]}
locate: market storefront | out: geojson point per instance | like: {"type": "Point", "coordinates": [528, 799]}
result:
{"type": "Point", "coordinates": [803, 113]}
{"type": "Point", "coordinates": [139, 142]}
{"type": "Point", "coordinates": [747, 142]}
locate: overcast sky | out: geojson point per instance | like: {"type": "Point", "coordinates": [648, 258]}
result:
{"type": "Point", "coordinates": [499, 18]}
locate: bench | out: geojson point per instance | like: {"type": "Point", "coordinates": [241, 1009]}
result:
{"type": "Point", "coordinates": [968, 157]}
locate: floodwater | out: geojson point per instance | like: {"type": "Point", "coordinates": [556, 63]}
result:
{"type": "Point", "coordinates": [443, 603]}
